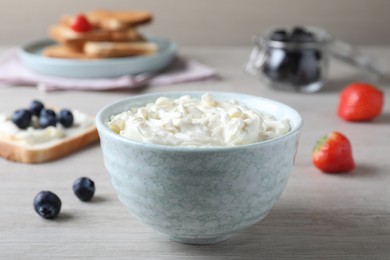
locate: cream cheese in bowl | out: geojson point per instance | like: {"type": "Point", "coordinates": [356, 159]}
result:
{"type": "Point", "coordinates": [216, 167]}
{"type": "Point", "coordinates": [198, 122]}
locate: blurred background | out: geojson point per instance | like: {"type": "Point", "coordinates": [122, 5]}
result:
{"type": "Point", "coordinates": [211, 22]}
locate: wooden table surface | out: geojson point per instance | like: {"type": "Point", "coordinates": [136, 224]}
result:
{"type": "Point", "coordinates": [319, 216]}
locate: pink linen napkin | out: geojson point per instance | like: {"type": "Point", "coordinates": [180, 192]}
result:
{"type": "Point", "coordinates": [13, 71]}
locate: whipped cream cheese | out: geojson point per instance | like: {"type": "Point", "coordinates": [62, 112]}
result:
{"type": "Point", "coordinates": [197, 122]}
{"type": "Point", "coordinates": [35, 136]}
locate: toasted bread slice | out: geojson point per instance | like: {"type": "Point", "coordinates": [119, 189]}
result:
{"type": "Point", "coordinates": [118, 49]}
{"type": "Point", "coordinates": [13, 148]}
{"type": "Point", "coordinates": [101, 50]}
{"type": "Point", "coordinates": [67, 36]}
{"type": "Point", "coordinates": [116, 20]}
{"type": "Point", "coordinates": [63, 51]}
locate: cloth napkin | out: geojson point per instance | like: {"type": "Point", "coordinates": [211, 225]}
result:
{"type": "Point", "coordinates": [13, 71]}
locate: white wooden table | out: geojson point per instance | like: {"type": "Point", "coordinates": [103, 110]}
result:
{"type": "Point", "coordinates": [319, 216]}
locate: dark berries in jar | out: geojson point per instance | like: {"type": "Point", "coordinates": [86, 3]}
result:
{"type": "Point", "coordinates": [36, 107]}
{"type": "Point", "coordinates": [22, 118]}
{"type": "Point", "coordinates": [47, 204]}
{"type": "Point", "coordinates": [84, 188]}
{"type": "Point", "coordinates": [304, 67]}
{"type": "Point", "coordinates": [277, 64]}
{"type": "Point", "coordinates": [300, 35]}
{"type": "Point", "coordinates": [47, 118]}
{"type": "Point", "coordinates": [65, 118]}
{"type": "Point", "coordinates": [298, 30]}
{"type": "Point", "coordinates": [296, 64]}
{"type": "Point", "coordinates": [279, 35]}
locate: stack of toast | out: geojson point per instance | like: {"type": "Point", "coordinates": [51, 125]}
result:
{"type": "Point", "coordinates": [100, 34]}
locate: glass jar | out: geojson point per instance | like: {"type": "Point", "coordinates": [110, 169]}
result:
{"type": "Point", "coordinates": [297, 58]}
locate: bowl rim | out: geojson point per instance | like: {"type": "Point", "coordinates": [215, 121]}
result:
{"type": "Point", "coordinates": [102, 127]}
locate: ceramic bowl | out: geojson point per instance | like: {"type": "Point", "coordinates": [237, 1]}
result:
{"type": "Point", "coordinates": [199, 195]}
{"type": "Point", "coordinates": [32, 57]}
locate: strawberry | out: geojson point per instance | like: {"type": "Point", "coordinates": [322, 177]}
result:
{"type": "Point", "coordinates": [360, 102]}
{"type": "Point", "coordinates": [80, 24]}
{"type": "Point", "coordinates": [333, 154]}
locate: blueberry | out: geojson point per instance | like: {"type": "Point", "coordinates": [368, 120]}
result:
{"type": "Point", "coordinates": [47, 204]}
{"type": "Point", "coordinates": [298, 30]}
{"type": "Point", "coordinates": [318, 55]}
{"type": "Point", "coordinates": [299, 34]}
{"type": "Point", "coordinates": [65, 118]}
{"type": "Point", "coordinates": [279, 35]}
{"type": "Point", "coordinates": [304, 67]}
{"type": "Point", "coordinates": [84, 188]}
{"type": "Point", "coordinates": [47, 118]}
{"type": "Point", "coordinates": [277, 65]}
{"type": "Point", "coordinates": [47, 112]}
{"type": "Point", "coordinates": [36, 107]}
{"type": "Point", "coordinates": [47, 121]}
{"type": "Point", "coordinates": [22, 118]}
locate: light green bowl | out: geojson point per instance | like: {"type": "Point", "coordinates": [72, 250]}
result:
{"type": "Point", "coordinates": [32, 58]}
{"type": "Point", "coordinates": [199, 195]}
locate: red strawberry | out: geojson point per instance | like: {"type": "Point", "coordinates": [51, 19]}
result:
{"type": "Point", "coordinates": [80, 23]}
{"type": "Point", "coordinates": [360, 102]}
{"type": "Point", "coordinates": [333, 154]}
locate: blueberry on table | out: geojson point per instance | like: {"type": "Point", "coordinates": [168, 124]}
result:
{"type": "Point", "coordinates": [22, 118]}
{"type": "Point", "coordinates": [47, 204]}
{"type": "Point", "coordinates": [47, 118]}
{"type": "Point", "coordinates": [36, 107]}
{"type": "Point", "coordinates": [279, 35]}
{"type": "Point", "coordinates": [65, 118]}
{"type": "Point", "coordinates": [84, 188]}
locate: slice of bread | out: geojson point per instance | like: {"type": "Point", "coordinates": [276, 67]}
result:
{"type": "Point", "coordinates": [14, 149]}
{"type": "Point", "coordinates": [64, 51]}
{"type": "Point", "coordinates": [118, 49]}
{"type": "Point", "coordinates": [114, 20]}
{"type": "Point", "coordinates": [101, 50]}
{"type": "Point", "coordinates": [67, 36]}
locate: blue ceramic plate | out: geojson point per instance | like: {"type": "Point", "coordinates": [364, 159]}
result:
{"type": "Point", "coordinates": [31, 56]}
